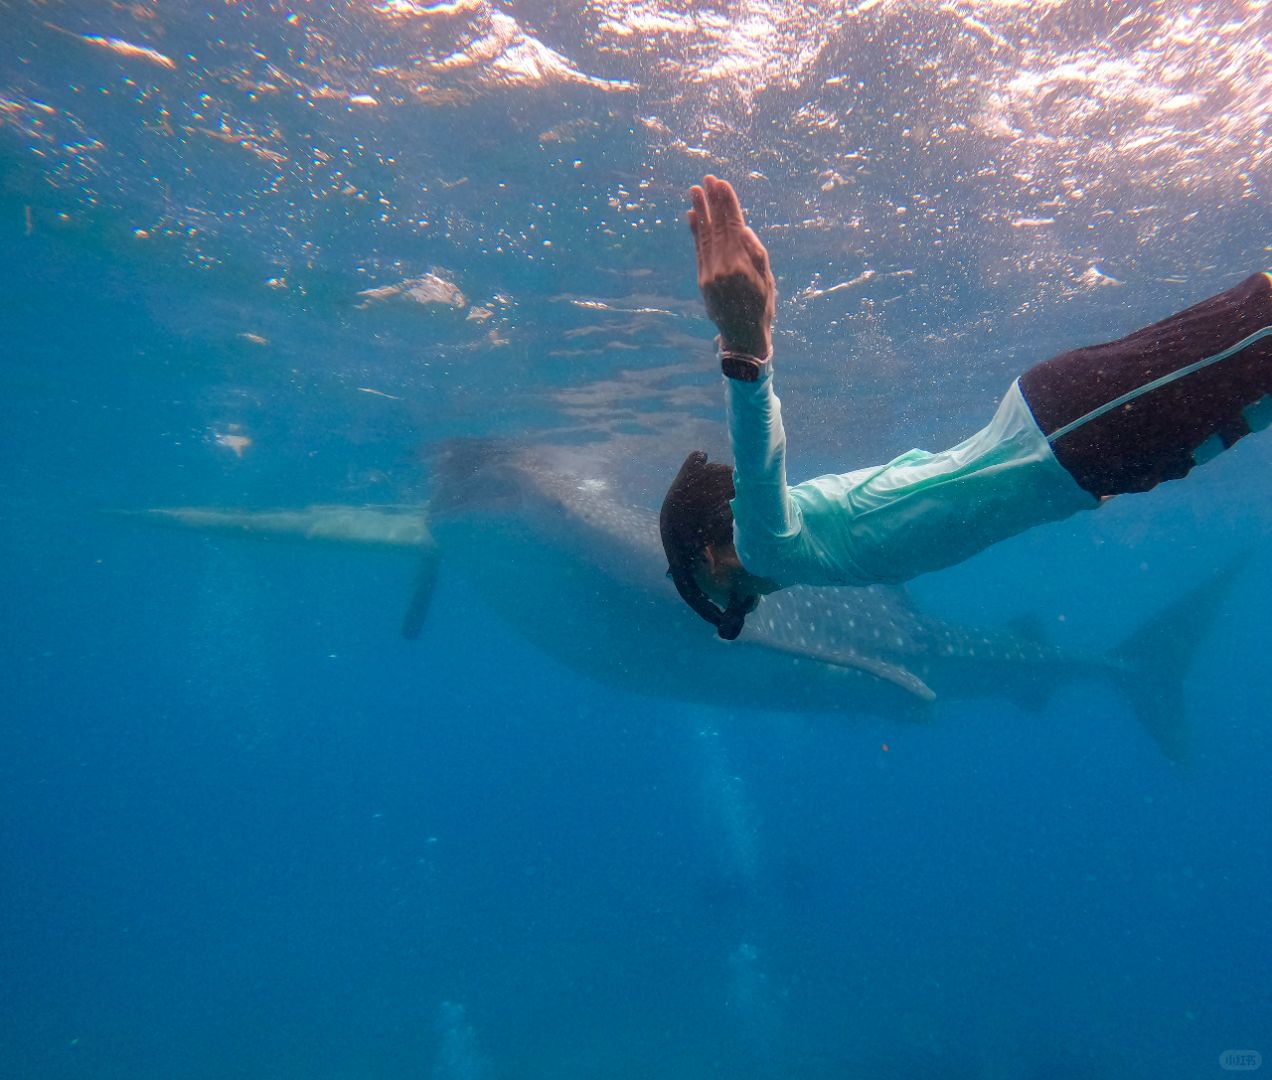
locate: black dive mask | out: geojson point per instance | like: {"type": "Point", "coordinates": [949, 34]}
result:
{"type": "Point", "coordinates": [696, 514]}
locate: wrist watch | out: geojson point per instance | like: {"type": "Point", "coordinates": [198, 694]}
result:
{"type": "Point", "coordinates": [742, 366]}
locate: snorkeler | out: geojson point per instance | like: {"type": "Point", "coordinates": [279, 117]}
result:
{"type": "Point", "coordinates": [1071, 432]}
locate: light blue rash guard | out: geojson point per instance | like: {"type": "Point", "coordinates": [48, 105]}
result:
{"type": "Point", "coordinates": [919, 512]}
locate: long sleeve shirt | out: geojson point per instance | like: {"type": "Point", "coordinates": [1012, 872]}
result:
{"type": "Point", "coordinates": [917, 513]}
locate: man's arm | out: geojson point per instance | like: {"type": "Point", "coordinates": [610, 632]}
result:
{"type": "Point", "coordinates": [740, 294]}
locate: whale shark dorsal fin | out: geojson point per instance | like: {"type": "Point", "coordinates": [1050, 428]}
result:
{"type": "Point", "coordinates": [852, 661]}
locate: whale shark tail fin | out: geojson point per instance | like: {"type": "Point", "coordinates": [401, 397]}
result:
{"type": "Point", "coordinates": [1155, 660]}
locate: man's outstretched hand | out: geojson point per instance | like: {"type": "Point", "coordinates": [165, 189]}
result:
{"type": "Point", "coordinates": [733, 269]}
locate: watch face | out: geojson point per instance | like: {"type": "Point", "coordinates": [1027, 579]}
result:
{"type": "Point", "coordinates": [745, 368]}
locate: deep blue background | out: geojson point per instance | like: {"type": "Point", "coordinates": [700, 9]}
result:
{"type": "Point", "coordinates": [247, 831]}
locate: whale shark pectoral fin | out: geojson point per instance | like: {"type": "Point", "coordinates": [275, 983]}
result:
{"type": "Point", "coordinates": [421, 594]}
{"type": "Point", "coordinates": [894, 673]}
{"type": "Point", "coordinates": [869, 665]}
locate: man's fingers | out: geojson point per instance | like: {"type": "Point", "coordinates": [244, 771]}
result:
{"type": "Point", "coordinates": [700, 223]}
{"type": "Point", "coordinates": [695, 227]}
{"type": "Point", "coordinates": [698, 198]}
{"type": "Point", "coordinates": [720, 233]}
{"type": "Point", "coordinates": [726, 211]}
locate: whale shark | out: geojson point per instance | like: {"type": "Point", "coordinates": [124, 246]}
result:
{"type": "Point", "coordinates": [579, 571]}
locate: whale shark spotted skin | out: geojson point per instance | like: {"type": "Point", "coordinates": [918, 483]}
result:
{"type": "Point", "coordinates": [581, 574]}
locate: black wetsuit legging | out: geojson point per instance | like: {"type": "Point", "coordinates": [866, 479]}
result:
{"type": "Point", "coordinates": [1127, 415]}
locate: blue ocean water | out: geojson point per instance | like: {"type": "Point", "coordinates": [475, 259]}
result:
{"type": "Point", "coordinates": [263, 256]}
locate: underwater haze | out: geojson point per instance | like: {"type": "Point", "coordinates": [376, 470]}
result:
{"type": "Point", "coordinates": [260, 256]}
